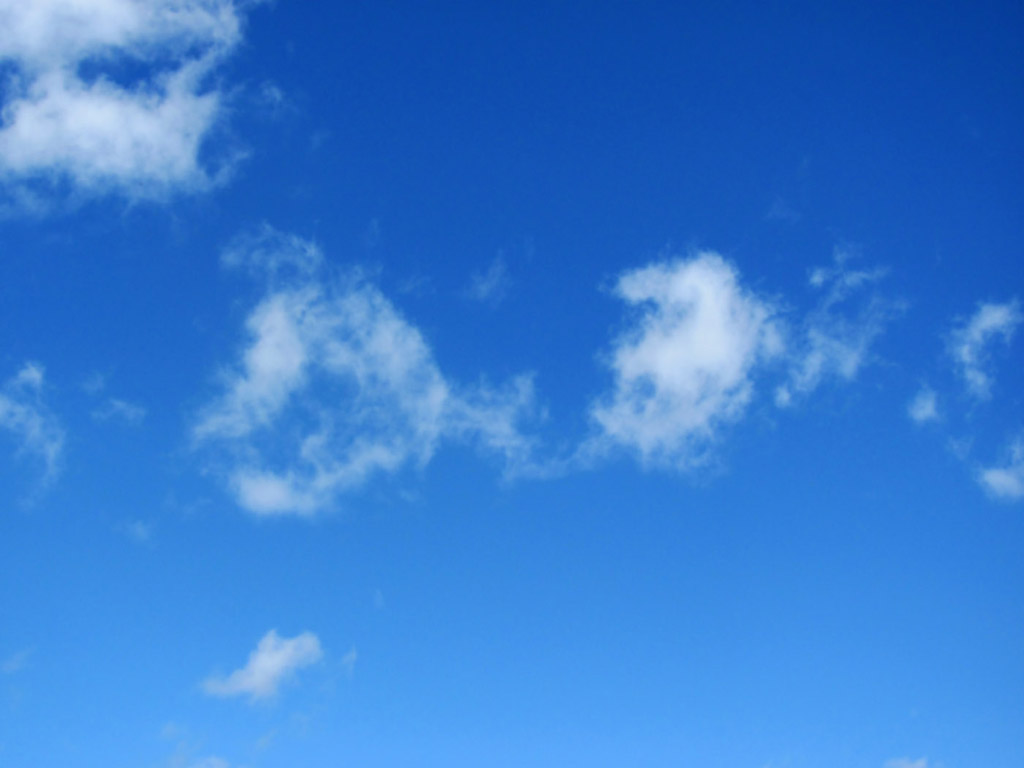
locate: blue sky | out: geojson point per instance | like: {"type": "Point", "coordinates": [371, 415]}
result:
{"type": "Point", "coordinates": [457, 384]}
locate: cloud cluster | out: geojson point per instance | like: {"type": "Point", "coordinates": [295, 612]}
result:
{"type": "Point", "coordinates": [688, 363]}
{"type": "Point", "coordinates": [334, 385]}
{"type": "Point", "coordinates": [274, 660]}
{"type": "Point", "coordinates": [685, 366]}
{"type": "Point", "coordinates": [969, 343]}
{"type": "Point", "coordinates": [112, 94]}
{"type": "Point", "coordinates": [969, 347]}
{"type": "Point", "coordinates": [23, 413]}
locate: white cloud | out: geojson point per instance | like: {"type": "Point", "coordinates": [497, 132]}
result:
{"type": "Point", "coordinates": [114, 408]}
{"type": "Point", "coordinates": [1006, 482]}
{"type": "Point", "coordinates": [334, 386]}
{"type": "Point", "coordinates": [924, 407]}
{"type": "Point", "coordinates": [834, 341]}
{"type": "Point", "coordinates": [68, 118]}
{"type": "Point", "coordinates": [969, 343]}
{"type": "Point", "coordinates": [490, 285]}
{"type": "Point", "coordinates": [23, 413]}
{"type": "Point", "coordinates": [906, 762]}
{"type": "Point", "coordinates": [685, 367]}
{"type": "Point", "coordinates": [274, 660]}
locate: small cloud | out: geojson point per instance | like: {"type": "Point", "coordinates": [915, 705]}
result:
{"type": "Point", "coordinates": [780, 210]}
{"type": "Point", "coordinates": [94, 383]}
{"type": "Point", "coordinates": [1006, 482]}
{"type": "Point", "coordinates": [969, 343]}
{"type": "Point", "coordinates": [15, 662]}
{"type": "Point", "coordinates": [140, 531]}
{"type": "Point", "coordinates": [378, 600]}
{"type": "Point", "coordinates": [274, 660]}
{"type": "Point", "coordinates": [272, 99]}
{"type": "Point", "coordinates": [210, 762]}
{"type": "Point", "coordinates": [372, 235]}
{"type": "Point", "coordinates": [491, 285]}
{"type": "Point", "coordinates": [23, 413]}
{"type": "Point", "coordinates": [122, 410]}
{"type": "Point", "coordinates": [348, 661]}
{"type": "Point", "coordinates": [924, 407]}
{"type": "Point", "coordinates": [906, 762]}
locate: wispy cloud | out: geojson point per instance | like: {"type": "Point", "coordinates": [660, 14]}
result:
{"type": "Point", "coordinates": [68, 115]}
{"type": "Point", "coordinates": [139, 530]}
{"type": "Point", "coordinates": [24, 414]}
{"type": "Point", "coordinates": [348, 661]}
{"type": "Point", "coordinates": [969, 343]}
{"type": "Point", "coordinates": [924, 407]}
{"type": "Point", "coordinates": [1006, 481]}
{"type": "Point", "coordinates": [335, 385]}
{"type": "Point", "coordinates": [685, 366]}
{"type": "Point", "coordinates": [15, 662]}
{"type": "Point", "coordinates": [274, 660]}
{"type": "Point", "coordinates": [834, 339]}
{"type": "Point", "coordinates": [490, 285]}
{"type": "Point", "coordinates": [906, 762]}
{"type": "Point", "coordinates": [121, 410]}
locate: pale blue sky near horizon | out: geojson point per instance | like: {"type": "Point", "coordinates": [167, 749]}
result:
{"type": "Point", "coordinates": [442, 384]}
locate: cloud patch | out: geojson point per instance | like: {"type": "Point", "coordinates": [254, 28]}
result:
{"type": "Point", "coordinates": [835, 338]}
{"type": "Point", "coordinates": [490, 285]}
{"type": "Point", "coordinates": [113, 95]}
{"type": "Point", "coordinates": [924, 407]}
{"type": "Point", "coordinates": [121, 410]}
{"type": "Point", "coordinates": [334, 386]}
{"type": "Point", "coordinates": [969, 343]}
{"type": "Point", "coordinates": [1006, 481]}
{"type": "Point", "coordinates": [24, 414]}
{"type": "Point", "coordinates": [274, 660]}
{"type": "Point", "coordinates": [685, 365]}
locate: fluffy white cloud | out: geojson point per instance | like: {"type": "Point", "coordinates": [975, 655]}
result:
{"type": "Point", "coordinates": [23, 413]}
{"type": "Point", "coordinates": [834, 341]}
{"type": "Point", "coordinates": [334, 385]}
{"type": "Point", "coordinates": [1007, 481]}
{"type": "Point", "coordinates": [685, 366]}
{"type": "Point", "coordinates": [969, 343]}
{"type": "Point", "coordinates": [274, 660]}
{"type": "Point", "coordinates": [924, 407]}
{"type": "Point", "coordinates": [69, 116]}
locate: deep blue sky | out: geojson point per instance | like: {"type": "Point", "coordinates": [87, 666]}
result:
{"type": "Point", "coordinates": [441, 384]}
